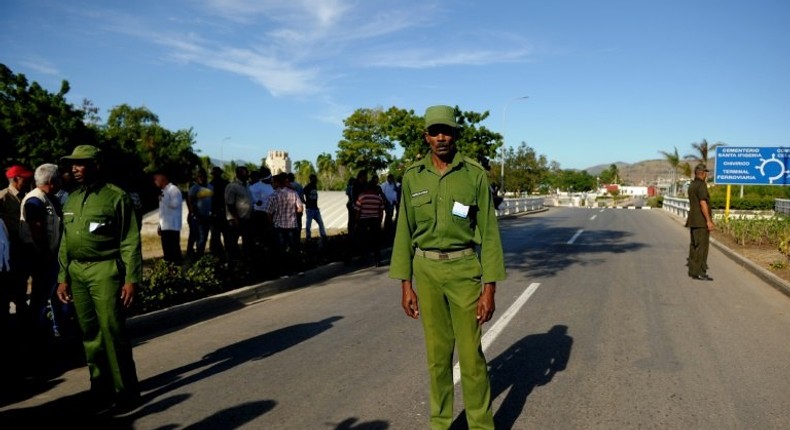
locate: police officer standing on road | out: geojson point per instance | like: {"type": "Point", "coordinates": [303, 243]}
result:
{"type": "Point", "coordinates": [700, 223]}
{"type": "Point", "coordinates": [100, 267]}
{"type": "Point", "coordinates": [446, 217]}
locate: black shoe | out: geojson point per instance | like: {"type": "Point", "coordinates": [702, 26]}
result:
{"type": "Point", "coordinates": [701, 277]}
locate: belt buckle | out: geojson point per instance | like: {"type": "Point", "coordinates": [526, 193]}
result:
{"type": "Point", "coordinates": [444, 256]}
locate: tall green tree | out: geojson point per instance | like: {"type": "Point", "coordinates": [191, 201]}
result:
{"type": "Point", "coordinates": [365, 143]}
{"type": "Point", "coordinates": [37, 126]}
{"type": "Point", "coordinates": [136, 132]}
{"type": "Point", "coordinates": [525, 170]}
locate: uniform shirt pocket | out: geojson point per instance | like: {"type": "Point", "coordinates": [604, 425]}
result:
{"type": "Point", "coordinates": [423, 208]}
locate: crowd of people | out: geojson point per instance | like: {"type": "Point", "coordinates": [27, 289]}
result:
{"type": "Point", "coordinates": [255, 217]}
{"type": "Point", "coordinates": [260, 216]}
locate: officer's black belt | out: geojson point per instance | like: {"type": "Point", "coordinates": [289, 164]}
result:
{"type": "Point", "coordinates": [451, 255]}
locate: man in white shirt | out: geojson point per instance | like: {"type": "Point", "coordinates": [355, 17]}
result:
{"type": "Point", "coordinates": [170, 212]}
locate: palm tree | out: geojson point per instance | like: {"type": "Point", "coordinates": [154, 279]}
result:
{"type": "Point", "coordinates": [674, 161]}
{"type": "Point", "coordinates": [702, 151]}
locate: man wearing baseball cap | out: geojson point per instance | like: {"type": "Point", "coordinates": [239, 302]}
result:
{"type": "Point", "coordinates": [447, 239]}
{"type": "Point", "coordinates": [100, 263]}
{"type": "Point", "coordinates": [15, 291]}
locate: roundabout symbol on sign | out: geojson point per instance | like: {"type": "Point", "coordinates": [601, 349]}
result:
{"type": "Point", "coordinates": [782, 170]}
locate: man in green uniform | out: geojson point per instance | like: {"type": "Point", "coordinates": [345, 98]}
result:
{"type": "Point", "coordinates": [100, 266]}
{"type": "Point", "coordinates": [446, 218]}
{"type": "Point", "coordinates": [700, 223]}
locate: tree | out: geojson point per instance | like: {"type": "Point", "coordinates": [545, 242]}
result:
{"type": "Point", "coordinates": [302, 171]}
{"type": "Point", "coordinates": [330, 175]}
{"type": "Point", "coordinates": [573, 180]}
{"type": "Point", "coordinates": [673, 159]}
{"type": "Point", "coordinates": [37, 126]}
{"type": "Point", "coordinates": [702, 150]}
{"type": "Point", "coordinates": [610, 175]}
{"type": "Point", "coordinates": [525, 170]}
{"type": "Point", "coordinates": [365, 144]}
{"type": "Point", "coordinates": [136, 132]}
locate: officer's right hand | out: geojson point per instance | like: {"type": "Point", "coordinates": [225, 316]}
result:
{"type": "Point", "coordinates": [64, 294]}
{"type": "Point", "coordinates": [409, 301]}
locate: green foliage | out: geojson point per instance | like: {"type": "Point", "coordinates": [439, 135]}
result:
{"type": "Point", "coordinates": [525, 170]}
{"type": "Point", "coordinates": [365, 144]}
{"type": "Point", "coordinates": [572, 180]}
{"type": "Point", "coordinates": [784, 242]}
{"type": "Point", "coordinates": [37, 126]}
{"type": "Point", "coordinates": [302, 171]}
{"type": "Point", "coordinates": [168, 285]}
{"type": "Point", "coordinates": [331, 176]}
{"type": "Point", "coordinates": [752, 203]}
{"type": "Point", "coordinates": [755, 231]}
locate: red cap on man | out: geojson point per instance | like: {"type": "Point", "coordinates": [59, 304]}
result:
{"type": "Point", "coordinates": [17, 170]}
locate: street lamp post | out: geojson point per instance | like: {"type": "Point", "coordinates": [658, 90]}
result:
{"type": "Point", "coordinates": [504, 139]}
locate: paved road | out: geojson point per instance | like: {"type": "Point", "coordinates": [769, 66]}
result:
{"type": "Point", "coordinates": [597, 327]}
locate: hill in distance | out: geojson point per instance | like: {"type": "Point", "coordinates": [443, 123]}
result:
{"type": "Point", "coordinates": [643, 172]}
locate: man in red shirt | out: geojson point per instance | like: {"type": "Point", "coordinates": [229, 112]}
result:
{"type": "Point", "coordinates": [369, 213]}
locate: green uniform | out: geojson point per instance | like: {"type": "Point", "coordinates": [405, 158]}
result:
{"type": "Point", "coordinates": [99, 252]}
{"type": "Point", "coordinates": [446, 228]}
{"type": "Point", "coordinates": [698, 229]}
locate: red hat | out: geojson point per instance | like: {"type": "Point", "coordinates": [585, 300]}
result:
{"type": "Point", "coordinates": [18, 170]}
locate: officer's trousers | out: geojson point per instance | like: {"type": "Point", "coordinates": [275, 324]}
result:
{"type": "Point", "coordinates": [698, 251]}
{"type": "Point", "coordinates": [448, 292]}
{"type": "Point", "coordinates": [96, 291]}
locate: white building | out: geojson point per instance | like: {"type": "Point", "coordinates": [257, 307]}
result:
{"type": "Point", "coordinates": [278, 162]}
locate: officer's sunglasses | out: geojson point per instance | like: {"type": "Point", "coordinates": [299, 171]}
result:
{"type": "Point", "coordinates": [438, 129]}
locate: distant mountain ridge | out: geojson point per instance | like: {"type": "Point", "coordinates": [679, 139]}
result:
{"type": "Point", "coordinates": [643, 172]}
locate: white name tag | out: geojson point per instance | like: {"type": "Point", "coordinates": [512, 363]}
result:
{"type": "Point", "coordinates": [460, 210]}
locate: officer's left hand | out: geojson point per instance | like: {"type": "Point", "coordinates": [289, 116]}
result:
{"type": "Point", "coordinates": [127, 294]}
{"type": "Point", "coordinates": [485, 304]}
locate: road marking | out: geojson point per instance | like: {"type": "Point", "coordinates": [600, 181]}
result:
{"type": "Point", "coordinates": [593, 217]}
{"type": "Point", "coordinates": [575, 236]}
{"type": "Point", "coordinates": [499, 325]}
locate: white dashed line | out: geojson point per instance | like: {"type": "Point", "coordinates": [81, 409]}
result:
{"type": "Point", "coordinates": [593, 217]}
{"type": "Point", "coordinates": [575, 236]}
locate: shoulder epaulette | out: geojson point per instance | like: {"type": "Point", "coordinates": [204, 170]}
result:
{"type": "Point", "coordinates": [473, 162]}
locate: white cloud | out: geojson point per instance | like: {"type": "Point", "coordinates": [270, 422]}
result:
{"type": "Point", "coordinates": [41, 66]}
{"type": "Point", "coordinates": [430, 58]}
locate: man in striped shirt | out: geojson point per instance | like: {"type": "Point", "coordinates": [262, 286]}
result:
{"type": "Point", "coordinates": [283, 207]}
{"type": "Point", "coordinates": [369, 213]}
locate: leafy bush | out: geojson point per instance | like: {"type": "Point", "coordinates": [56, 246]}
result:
{"type": "Point", "coordinates": [771, 231]}
{"type": "Point", "coordinates": [166, 284]}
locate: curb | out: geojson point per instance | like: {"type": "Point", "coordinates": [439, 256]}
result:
{"type": "Point", "coordinates": [762, 273]}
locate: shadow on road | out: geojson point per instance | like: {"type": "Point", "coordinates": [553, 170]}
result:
{"type": "Point", "coordinates": [542, 250]}
{"type": "Point", "coordinates": [531, 362]}
{"type": "Point", "coordinates": [228, 357]}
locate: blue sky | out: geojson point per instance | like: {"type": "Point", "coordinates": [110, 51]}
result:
{"type": "Point", "coordinates": [607, 80]}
